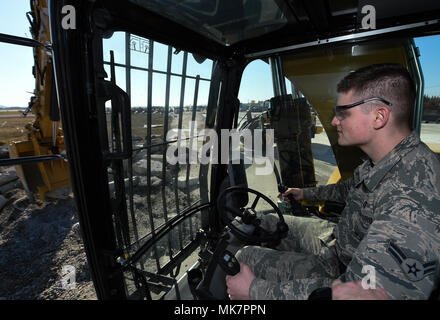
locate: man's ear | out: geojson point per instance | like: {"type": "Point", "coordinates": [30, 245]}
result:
{"type": "Point", "coordinates": [382, 115]}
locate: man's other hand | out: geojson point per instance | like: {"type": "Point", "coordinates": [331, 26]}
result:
{"type": "Point", "coordinates": [238, 285]}
{"type": "Point", "coordinates": [355, 291]}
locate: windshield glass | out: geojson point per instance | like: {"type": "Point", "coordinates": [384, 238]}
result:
{"type": "Point", "coordinates": [223, 21]}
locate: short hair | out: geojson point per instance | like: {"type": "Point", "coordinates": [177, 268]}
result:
{"type": "Point", "coordinates": [390, 81]}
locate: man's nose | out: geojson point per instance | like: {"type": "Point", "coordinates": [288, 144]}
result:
{"type": "Point", "coordinates": [335, 121]}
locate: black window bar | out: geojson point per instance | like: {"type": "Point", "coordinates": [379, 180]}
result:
{"type": "Point", "coordinates": [187, 229]}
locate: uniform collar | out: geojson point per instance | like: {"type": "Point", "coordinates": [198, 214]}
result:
{"type": "Point", "coordinates": [373, 175]}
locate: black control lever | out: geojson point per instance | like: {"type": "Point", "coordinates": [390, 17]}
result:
{"type": "Point", "coordinates": [229, 263]}
{"type": "Point", "coordinates": [297, 208]}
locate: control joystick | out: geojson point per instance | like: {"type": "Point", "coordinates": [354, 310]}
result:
{"type": "Point", "coordinates": [229, 263]}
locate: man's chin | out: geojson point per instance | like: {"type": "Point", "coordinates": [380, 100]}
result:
{"type": "Point", "coordinates": [341, 142]}
{"type": "Point", "coordinates": [344, 143]}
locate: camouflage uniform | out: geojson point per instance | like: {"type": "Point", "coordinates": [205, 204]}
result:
{"type": "Point", "coordinates": [391, 222]}
{"type": "Point", "coordinates": [304, 261]}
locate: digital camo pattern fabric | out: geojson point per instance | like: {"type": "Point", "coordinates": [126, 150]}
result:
{"type": "Point", "coordinates": [391, 222]}
{"type": "Point", "coordinates": [301, 263]}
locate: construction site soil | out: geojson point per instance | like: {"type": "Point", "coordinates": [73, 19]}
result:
{"type": "Point", "coordinates": [39, 242]}
{"type": "Point", "coordinates": [41, 246]}
{"type": "Point", "coordinates": [41, 249]}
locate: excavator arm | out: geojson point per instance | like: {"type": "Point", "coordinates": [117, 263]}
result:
{"type": "Point", "coordinates": [44, 135]}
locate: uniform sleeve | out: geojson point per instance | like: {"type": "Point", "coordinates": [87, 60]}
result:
{"type": "Point", "coordinates": [400, 251]}
{"type": "Point", "coordinates": [334, 192]}
{"type": "Point", "coordinates": [288, 290]}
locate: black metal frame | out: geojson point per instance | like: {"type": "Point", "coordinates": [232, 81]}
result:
{"type": "Point", "coordinates": [76, 91]}
{"type": "Point", "coordinates": [82, 90]}
{"type": "Point", "coordinates": [83, 119]}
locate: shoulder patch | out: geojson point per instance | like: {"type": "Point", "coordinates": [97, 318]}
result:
{"type": "Point", "coordinates": [413, 269]}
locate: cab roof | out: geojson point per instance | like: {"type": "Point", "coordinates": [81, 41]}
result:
{"type": "Point", "coordinates": [258, 27]}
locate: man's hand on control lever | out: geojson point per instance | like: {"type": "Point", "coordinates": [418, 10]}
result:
{"type": "Point", "coordinates": [297, 194]}
{"type": "Point", "coordinates": [238, 285]}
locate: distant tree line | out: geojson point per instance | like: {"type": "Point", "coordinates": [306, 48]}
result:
{"type": "Point", "coordinates": [431, 105]}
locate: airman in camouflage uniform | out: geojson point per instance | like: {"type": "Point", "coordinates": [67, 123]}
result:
{"type": "Point", "coordinates": [392, 220]}
{"type": "Point", "coordinates": [391, 223]}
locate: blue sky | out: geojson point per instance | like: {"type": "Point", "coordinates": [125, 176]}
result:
{"type": "Point", "coordinates": [17, 81]}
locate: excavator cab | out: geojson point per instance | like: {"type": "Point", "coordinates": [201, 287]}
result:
{"type": "Point", "coordinates": [170, 169]}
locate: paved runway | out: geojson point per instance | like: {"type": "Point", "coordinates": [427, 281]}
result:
{"type": "Point", "coordinates": [430, 132]}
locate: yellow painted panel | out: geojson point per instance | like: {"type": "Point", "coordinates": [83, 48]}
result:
{"type": "Point", "coordinates": [434, 147]}
{"type": "Point", "coordinates": [317, 73]}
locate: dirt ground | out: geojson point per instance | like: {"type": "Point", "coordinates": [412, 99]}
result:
{"type": "Point", "coordinates": [41, 246]}
{"type": "Point", "coordinates": [12, 126]}
{"type": "Point", "coordinates": [40, 242]}
{"type": "Point", "coordinates": [41, 249]}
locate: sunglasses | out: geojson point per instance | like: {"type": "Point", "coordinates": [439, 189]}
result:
{"type": "Point", "coordinates": [339, 110]}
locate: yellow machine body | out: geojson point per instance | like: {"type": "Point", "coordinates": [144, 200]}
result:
{"type": "Point", "coordinates": [45, 135]}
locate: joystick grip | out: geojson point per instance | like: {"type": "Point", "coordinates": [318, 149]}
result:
{"type": "Point", "coordinates": [229, 263]}
{"type": "Point", "coordinates": [297, 208]}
